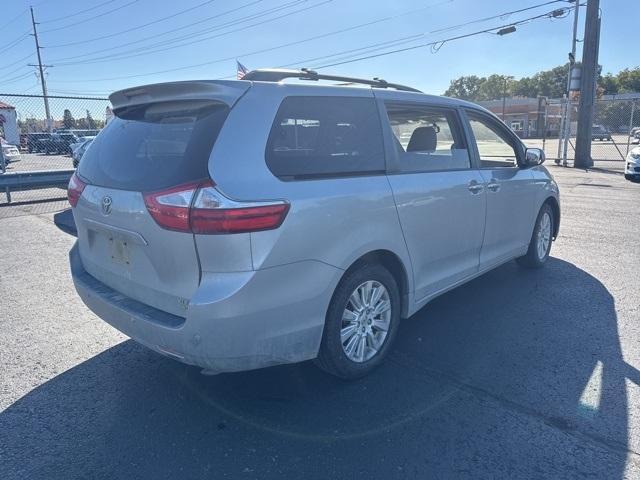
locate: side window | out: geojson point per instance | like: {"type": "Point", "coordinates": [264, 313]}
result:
{"type": "Point", "coordinates": [495, 146]}
{"type": "Point", "coordinates": [325, 136]}
{"type": "Point", "coordinates": [427, 139]}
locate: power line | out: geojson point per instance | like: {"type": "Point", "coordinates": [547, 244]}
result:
{"type": "Point", "coordinates": [377, 46]}
{"type": "Point", "coordinates": [90, 18]}
{"type": "Point", "coordinates": [65, 17]}
{"type": "Point", "coordinates": [501, 16]}
{"type": "Point", "coordinates": [14, 18]}
{"type": "Point", "coordinates": [137, 27]}
{"type": "Point", "coordinates": [15, 42]}
{"type": "Point", "coordinates": [144, 50]}
{"type": "Point", "coordinates": [439, 42]}
{"type": "Point", "coordinates": [13, 72]}
{"type": "Point", "coordinates": [17, 78]}
{"type": "Point", "coordinates": [215, 27]}
{"type": "Point", "coordinates": [289, 44]}
{"type": "Point", "coordinates": [2, 67]}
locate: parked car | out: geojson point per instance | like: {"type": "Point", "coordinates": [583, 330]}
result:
{"type": "Point", "coordinates": [61, 143]}
{"type": "Point", "coordinates": [632, 168]}
{"type": "Point", "coordinates": [235, 225]}
{"type": "Point", "coordinates": [79, 142]}
{"type": "Point", "coordinates": [598, 132]}
{"type": "Point", "coordinates": [79, 151]}
{"type": "Point", "coordinates": [11, 153]}
{"type": "Point", "coordinates": [636, 137]}
{"type": "Point", "coordinates": [37, 142]}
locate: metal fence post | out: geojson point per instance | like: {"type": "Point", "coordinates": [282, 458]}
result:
{"type": "Point", "coordinates": [633, 110]}
{"type": "Point", "coordinates": [563, 109]}
{"type": "Point", "coordinates": [544, 125]}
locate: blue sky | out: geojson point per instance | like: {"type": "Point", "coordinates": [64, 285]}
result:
{"type": "Point", "coordinates": [217, 31]}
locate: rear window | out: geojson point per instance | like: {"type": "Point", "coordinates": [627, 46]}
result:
{"type": "Point", "coordinates": [325, 137]}
{"type": "Point", "coordinates": [154, 146]}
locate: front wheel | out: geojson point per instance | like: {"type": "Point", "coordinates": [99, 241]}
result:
{"type": "Point", "coordinates": [540, 244]}
{"type": "Point", "coordinates": [361, 322]}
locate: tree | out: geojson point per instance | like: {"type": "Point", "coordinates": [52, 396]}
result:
{"type": "Point", "coordinates": [466, 88]}
{"type": "Point", "coordinates": [67, 119]}
{"type": "Point", "coordinates": [91, 123]}
{"type": "Point", "coordinates": [629, 80]}
{"type": "Point", "coordinates": [549, 83]}
{"type": "Point", "coordinates": [496, 86]}
{"type": "Point", "coordinates": [609, 84]}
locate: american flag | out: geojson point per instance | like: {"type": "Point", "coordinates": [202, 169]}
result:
{"type": "Point", "coordinates": [241, 70]}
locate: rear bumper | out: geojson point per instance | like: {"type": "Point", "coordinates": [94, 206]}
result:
{"type": "Point", "coordinates": [235, 321]}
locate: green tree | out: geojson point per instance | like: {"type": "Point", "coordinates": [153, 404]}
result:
{"type": "Point", "coordinates": [496, 87]}
{"type": "Point", "coordinates": [67, 119]}
{"type": "Point", "coordinates": [609, 84]}
{"type": "Point", "coordinates": [466, 88]}
{"type": "Point", "coordinates": [629, 80]}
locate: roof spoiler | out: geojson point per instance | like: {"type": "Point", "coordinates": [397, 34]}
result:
{"type": "Point", "coordinates": [227, 92]}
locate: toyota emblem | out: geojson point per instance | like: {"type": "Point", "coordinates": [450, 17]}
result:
{"type": "Point", "coordinates": [106, 205]}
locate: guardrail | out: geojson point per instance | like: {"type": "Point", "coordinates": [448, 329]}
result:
{"type": "Point", "coordinates": [20, 181]}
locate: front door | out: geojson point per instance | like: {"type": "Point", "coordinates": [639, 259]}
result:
{"type": "Point", "coordinates": [510, 190]}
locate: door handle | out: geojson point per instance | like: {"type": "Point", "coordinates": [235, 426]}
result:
{"type": "Point", "coordinates": [474, 187]}
{"type": "Point", "coordinates": [493, 185]}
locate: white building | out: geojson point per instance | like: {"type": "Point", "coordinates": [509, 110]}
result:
{"type": "Point", "coordinates": [9, 124]}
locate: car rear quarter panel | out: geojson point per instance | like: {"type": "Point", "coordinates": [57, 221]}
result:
{"type": "Point", "coordinates": [334, 221]}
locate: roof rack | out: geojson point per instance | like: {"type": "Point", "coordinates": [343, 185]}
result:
{"type": "Point", "coordinates": [276, 75]}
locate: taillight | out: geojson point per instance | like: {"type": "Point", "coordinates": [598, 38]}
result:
{"type": "Point", "coordinates": [200, 208]}
{"type": "Point", "coordinates": [75, 189]}
{"type": "Point", "coordinates": [170, 208]}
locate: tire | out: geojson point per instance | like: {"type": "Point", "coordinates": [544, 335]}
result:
{"type": "Point", "coordinates": [535, 257]}
{"type": "Point", "coordinates": [333, 357]}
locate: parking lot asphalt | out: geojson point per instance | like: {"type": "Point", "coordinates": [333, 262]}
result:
{"type": "Point", "coordinates": [518, 374]}
{"type": "Point", "coordinates": [39, 161]}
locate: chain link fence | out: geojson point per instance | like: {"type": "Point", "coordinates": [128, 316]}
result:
{"type": "Point", "coordinates": [35, 141]}
{"type": "Point", "coordinates": [615, 130]}
{"type": "Point", "coordinates": [43, 143]}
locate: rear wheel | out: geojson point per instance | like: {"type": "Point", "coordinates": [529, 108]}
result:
{"type": "Point", "coordinates": [540, 244]}
{"type": "Point", "coordinates": [361, 323]}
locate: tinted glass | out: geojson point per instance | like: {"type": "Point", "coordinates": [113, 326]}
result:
{"type": "Point", "coordinates": [154, 146]}
{"type": "Point", "coordinates": [427, 139]}
{"type": "Point", "coordinates": [325, 136]}
{"type": "Point", "coordinates": [495, 146]}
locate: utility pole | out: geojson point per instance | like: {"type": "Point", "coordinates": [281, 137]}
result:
{"type": "Point", "coordinates": [588, 85]}
{"type": "Point", "coordinates": [572, 60]}
{"type": "Point", "coordinates": [505, 79]}
{"type": "Point", "coordinates": [43, 82]}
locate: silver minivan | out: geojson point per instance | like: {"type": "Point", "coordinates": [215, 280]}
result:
{"type": "Point", "coordinates": [235, 225]}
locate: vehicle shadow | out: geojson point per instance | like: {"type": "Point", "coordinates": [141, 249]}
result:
{"type": "Point", "coordinates": [518, 374]}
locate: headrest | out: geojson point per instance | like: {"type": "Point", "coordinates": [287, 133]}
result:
{"type": "Point", "coordinates": [423, 139]}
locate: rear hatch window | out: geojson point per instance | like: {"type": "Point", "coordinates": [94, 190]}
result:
{"type": "Point", "coordinates": [154, 146]}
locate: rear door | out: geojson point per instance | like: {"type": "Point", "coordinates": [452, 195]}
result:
{"type": "Point", "coordinates": [511, 191]}
{"type": "Point", "coordinates": [160, 139]}
{"type": "Point", "coordinates": [439, 194]}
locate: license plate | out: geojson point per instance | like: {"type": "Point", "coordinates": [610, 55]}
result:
{"type": "Point", "coordinates": [119, 250]}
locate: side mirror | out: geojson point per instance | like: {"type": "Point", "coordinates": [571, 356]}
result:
{"type": "Point", "coordinates": [533, 157]}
